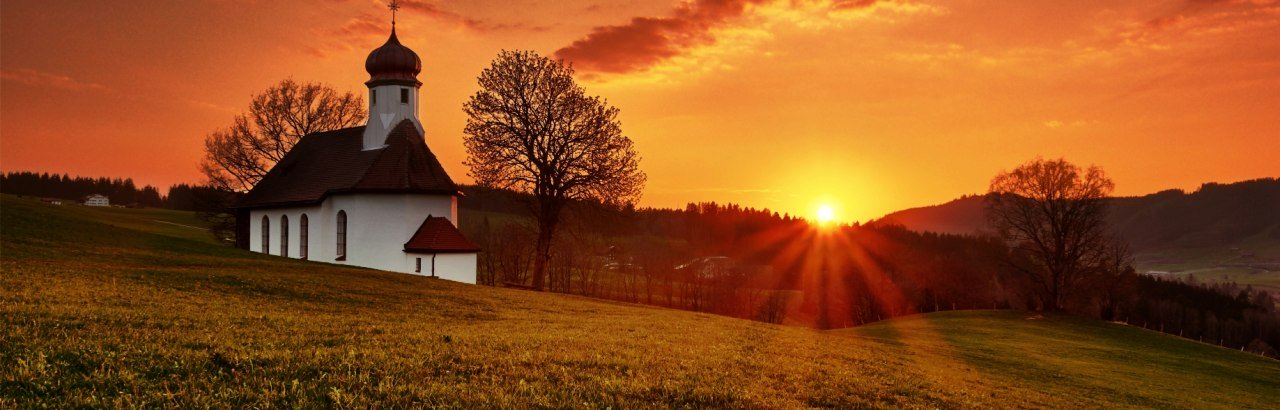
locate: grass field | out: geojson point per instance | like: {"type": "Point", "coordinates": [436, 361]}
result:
{"type": "Point", "coordinates": [1254, 261]}
{"type": "Point", "coordinates": [1254, 250]}
{"type": "Point", "coordinates": [117, 307]}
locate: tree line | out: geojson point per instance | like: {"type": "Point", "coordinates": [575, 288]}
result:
{"type": "Point", "coordinates": [63, 186]}
{"type": "Point", "coordinates": [120, 191]}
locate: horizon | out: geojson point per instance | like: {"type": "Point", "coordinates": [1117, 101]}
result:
{"type": "Point", "coordinates": [1163, 95]}
{"type": "Point", "coordinates": [819, 219]}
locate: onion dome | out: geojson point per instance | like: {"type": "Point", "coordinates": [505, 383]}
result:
{"type": "Point", "coordinates": [393, 63]}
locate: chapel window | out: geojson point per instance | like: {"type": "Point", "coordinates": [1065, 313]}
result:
{"type": "Point", "coordinates": [302, 237]}
{"type": "Point", "coordinates": [284, 235]}
{"type": "Point", "coordinates": [266, 235]}
{"type": "Point", "coordinates": [342, 235]}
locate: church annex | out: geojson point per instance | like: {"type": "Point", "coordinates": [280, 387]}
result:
{"type": "Point", "coordinates": [372, 196]}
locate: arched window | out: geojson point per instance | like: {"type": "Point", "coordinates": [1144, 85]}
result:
{"type": "Point", "coordinates": [266, 235]}
{"type": "Point", "coordinates": [302, 237]}
{"type": "Point", "coordinates": [342, 235]}
{"type": "Point", "coordinates": [284, 235]}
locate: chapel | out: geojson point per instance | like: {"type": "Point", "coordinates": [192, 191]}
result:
{"type": "Point", "coordinates": [372, 196]}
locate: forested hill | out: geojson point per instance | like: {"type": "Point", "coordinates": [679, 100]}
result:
{"type": "Point", "coordinates": [1214, 214]}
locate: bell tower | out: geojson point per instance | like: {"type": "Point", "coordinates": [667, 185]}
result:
{"type": "Point", "coordinates": [393, 87]}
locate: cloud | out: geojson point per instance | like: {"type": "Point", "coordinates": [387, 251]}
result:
{"type": "Point", "coordinates": [43, 79]}
{"type": "Point", "coordinates": [209, 105]}
{"type": "Point", "coordinates": [1200, 18]}
{"type": "Point", "coordinates": [645, 42]}
{"type": "Point", "coordinates": [362, 29]}
{"type": "Point", "coordinates": [435, 12]}
{"type": "Point", "coordinates": [724, 190]}
{"type": "Point", "coordinates": [363, 25]}
{"type": "Point", "coordinates": [1062, 124]}
{"type": "Point", "coordinates": [366, 27]}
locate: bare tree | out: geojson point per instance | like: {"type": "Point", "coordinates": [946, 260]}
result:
{"type": "Point", "coordinates": [1113, 280]}
{"type": "Point", "coordinates": [774, 309]}
{"type": "Point", "coordinates": [237, 157]}
{"type": "Point", "coordinates": [1052, 214]}
{"type": "Point", "coordinates": [508, 255]}
{"type": "Point", "coordinates": [533, 129]}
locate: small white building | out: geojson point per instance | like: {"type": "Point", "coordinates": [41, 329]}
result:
{"type": "Point", "coordinates": [97, 200]}
{"type": "Point", "coordinates": [372, 196]}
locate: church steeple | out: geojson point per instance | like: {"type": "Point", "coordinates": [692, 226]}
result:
{"type": "Point", "coordinates": [393, 87]}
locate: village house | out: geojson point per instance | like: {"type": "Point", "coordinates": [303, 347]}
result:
{"type": "Point", "coordinates": [96, 200]}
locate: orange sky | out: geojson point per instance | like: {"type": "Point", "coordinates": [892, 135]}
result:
{"type": "Point", "coordinates": [870, 106]}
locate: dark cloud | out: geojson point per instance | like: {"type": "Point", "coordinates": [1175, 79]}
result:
{"type": "Point", "coordinates": [646, 41]}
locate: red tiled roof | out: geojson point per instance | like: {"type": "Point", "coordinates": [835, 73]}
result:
{"type": "Point", "coordinates": [327, 163]}
{"type": "Point", "coordinates": [438, 235]}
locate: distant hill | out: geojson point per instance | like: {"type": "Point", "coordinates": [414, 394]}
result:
{"type": "Point", "coordinates": [1213, 215]}
{"type": "Point", "coordinates": [964, 216]}
{"type": "Point", "coordinates": [1219, 232]}
{"type": "Point", "coordinates": [120, 307]}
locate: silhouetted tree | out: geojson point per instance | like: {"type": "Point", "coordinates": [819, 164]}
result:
{"type": "Point", "coordinates": [1114, 279]}
{"type": "Point", "coordinates": [774, 309]}
{"type": "Point", "coordinates": [531, 128]}
{"type": "Point", "coordinates": [237, 157]}
{"type": "Point", "coordinates": [1052, 214]}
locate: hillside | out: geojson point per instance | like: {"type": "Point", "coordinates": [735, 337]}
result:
{"type": "Point", "coordinates": [121, 307]}
{"type": "Point", "coordinates": [1215, 214]}
{"type": "Point", "coordinates": [964, 216]}
{"type": "Point", "coordinates": [1225, 232]}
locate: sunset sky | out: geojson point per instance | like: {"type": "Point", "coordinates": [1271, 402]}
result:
{"type": "Point", "coordinates": [866, 106]}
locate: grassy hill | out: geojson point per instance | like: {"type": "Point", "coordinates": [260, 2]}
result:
{"type": "Point", "coordinates": [118, 307]}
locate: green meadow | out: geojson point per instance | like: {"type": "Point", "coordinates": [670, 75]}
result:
{"type": "Point", "coordinates": [1250, 262]}
{"type": "Point", "coordinates": [125, 308]}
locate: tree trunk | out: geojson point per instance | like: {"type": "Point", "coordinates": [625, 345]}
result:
{"type": "Point", "coordinates": [542, 255]}
{"type": "Point", "coordinates": [548, 218]}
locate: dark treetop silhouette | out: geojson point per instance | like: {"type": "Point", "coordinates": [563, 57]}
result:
{"type": "Point", "coordinates": [238, 157]}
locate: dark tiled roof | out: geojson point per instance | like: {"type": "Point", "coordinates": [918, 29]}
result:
{"type": "Point", "coordinates": [438, 235]}
{"type": "Point", "coordinates": [333, 162]}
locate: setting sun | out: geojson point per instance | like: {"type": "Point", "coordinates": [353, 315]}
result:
{"type": "Point", "coordinates": [826, 214]}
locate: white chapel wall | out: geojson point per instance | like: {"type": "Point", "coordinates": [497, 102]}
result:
{"type": "Point", "coordinates": [378, 225]}
{"type": "Point", "coordinates": [459, 267]}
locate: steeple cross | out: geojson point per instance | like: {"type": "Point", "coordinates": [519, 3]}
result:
{"type": "Point", "coordinates": [393, 5]}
